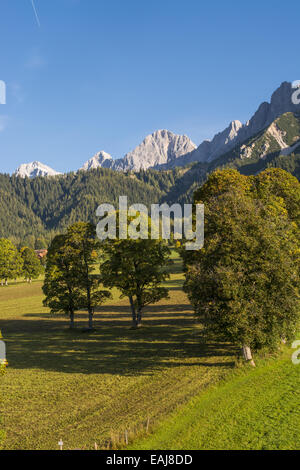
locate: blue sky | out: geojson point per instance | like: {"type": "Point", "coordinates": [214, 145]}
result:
{"type": "Point", "coordinates": [101, 75]}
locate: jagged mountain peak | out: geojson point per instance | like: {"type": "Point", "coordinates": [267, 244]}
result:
{"type": "Point", "coordinates": [209, 150]}
{"type": "Point", "coordinates": [34, 169]}
{"type": "Point", "coordinates": [235, 125]}
{"type": "Point", "coordinates": [159, 148]}
{"type": "Point", "coordinates": [101, 159]}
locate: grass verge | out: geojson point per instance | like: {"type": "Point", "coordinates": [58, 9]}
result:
{"type": "Point", "coordinates": [253, 409]}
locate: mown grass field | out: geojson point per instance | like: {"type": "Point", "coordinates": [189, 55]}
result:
{"type": "Point", "coordinates": [252, 410]}
{"type": "Point", "coordinates": [84, 387]}
{"type": "Point", "coordinates": [87, 388]}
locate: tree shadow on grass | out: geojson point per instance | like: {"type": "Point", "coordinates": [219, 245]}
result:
{"type": "Point", "coordinates": [167, 339]}
{"type": "Point", "coordinates": [175, 267]}
{"type": "Point", "coordinates": [113, 314]}
{"type": "Point", "coordinates": [174, 284]}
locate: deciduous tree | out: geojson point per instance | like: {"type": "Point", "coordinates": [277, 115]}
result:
{"type": "Point", "coordinates": [82, 240]}
{"type": "Point", "coordinates": [245, 282]}
{"type": "Point", "coordinates": [32, 267]}
{"type": "Point", "coordinates": [137, 269]}
{"type": "Point", "coordinates": [11, 262]}
{"type": "Point", "coordinates": [61, 289]}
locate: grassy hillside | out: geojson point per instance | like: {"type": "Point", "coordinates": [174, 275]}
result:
{"type": "Point", "coordinates": [252, 409]}
{"type": "Point", "coordinates": [84, 387]}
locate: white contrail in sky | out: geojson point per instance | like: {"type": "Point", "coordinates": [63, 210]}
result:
{"type": "Point", "coordinates": [36, 15]}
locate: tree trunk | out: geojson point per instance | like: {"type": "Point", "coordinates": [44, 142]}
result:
{"type": "Point", "coordinates": [134, 318]}
{"type": "Point", "coordinates": [139, 317]}
{"type": "Point", "coordinates": [91, 314]}
{"type": "Point", "coordinates": [248, 355]}
{"type": "Point", "coordinates": [139, 307]}
{"type": "Point", "coordinates": [72, 324]}
{"type": "Point", "coordinates": [90, 308]}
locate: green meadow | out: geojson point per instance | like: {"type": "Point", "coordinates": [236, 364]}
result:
{"type": "Point", "coordinates": [86, 388]}
{"type": "Point", "coordinates": [162, 384]}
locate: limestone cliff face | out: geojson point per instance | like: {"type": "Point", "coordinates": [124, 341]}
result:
{"type": "Point", "coordinates": [161, 147]}
{"type": "Point", "coordinates": [281, 137]}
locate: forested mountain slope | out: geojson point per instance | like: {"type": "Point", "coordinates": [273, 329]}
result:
{"type": "Point", "coordinates": [43, 206]}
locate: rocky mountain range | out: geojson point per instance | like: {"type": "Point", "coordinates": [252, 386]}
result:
{"type": "Point", "coordinates": [237, 133]}
{"type": "Point", "coordinates": [164, 149]}
{"type": "Point", "coordinates": [160, 148]}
